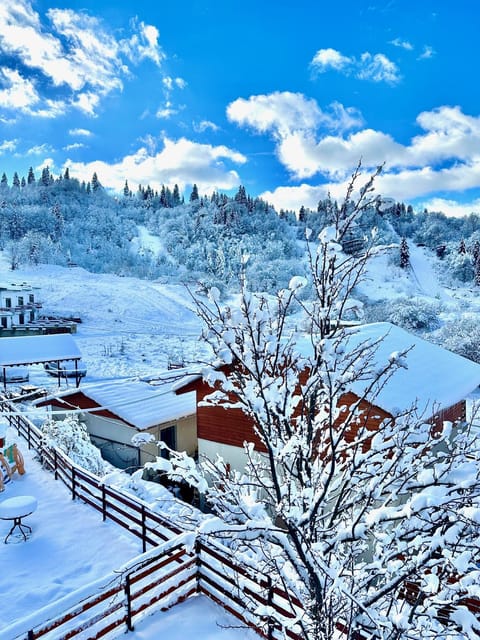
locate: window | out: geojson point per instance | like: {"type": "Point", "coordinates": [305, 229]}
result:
{"type": "Point", "coordinates": [8, 303]}
{"type": "Point", "coordinates": [21, 318]}
{"type": "Point", "coordinates": [32, 316]}
{"type": "Point", "coordinates": [4, 322]}
{"type": "Point", "coordinates": [20, 301]}
{"type": "Point", "coordinates": [31, 298]}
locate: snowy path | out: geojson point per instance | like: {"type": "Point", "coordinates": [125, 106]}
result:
{"type": "Point", "coordinates": [424, 274]}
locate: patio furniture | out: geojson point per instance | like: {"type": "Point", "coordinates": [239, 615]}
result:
{"type": "Point", "coordinates": [15, 509]}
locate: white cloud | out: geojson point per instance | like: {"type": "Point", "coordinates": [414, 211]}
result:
{"type": "Point", "coordinates": [374, 67]}
{"type": "Point", "coordinates": [80, 132]}
{"type": "Point", "coordinates": [39, 149]}
{"type": "Point", "coordinates": [451, 208]}
{"type": "Point", "coordinates": [283, 113]}
{"type": "Point", "coordinates": [444, 156]}
{"type": "Point", "coordinates": [143, 44]}
{"type": "Point", "coordinates": [378, 68]}
{"type": "Point", "coordinates": [205, 125]}
{"type": "Point", "coordinates": [326, 59]}
{"type": "Point", "coordinates": [8, 145]}
{"type": "Point", "coordinates": [292, 198]}
{"type": "Point", "coordinates": [73, 146]}
{"type": "Point", "coordinates": [18, 94]}
{"type": "Point", "coordinates": [428, 52]}
{"type": "Point", "coordinates": [69, 60]}
{"type": "Point", "coordinates": [402, 44]}
{"type": "Point", "coordinates": [182, 162]}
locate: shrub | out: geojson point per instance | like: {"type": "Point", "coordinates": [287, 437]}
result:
{"type": "Point", "coordinates": [71, 436]}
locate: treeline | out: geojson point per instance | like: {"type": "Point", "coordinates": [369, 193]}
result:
{"type": "Point", "coordinates": [200, 238]}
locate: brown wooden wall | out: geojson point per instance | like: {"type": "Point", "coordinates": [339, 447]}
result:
{"type": "Point", "coordinates": [226, 426]}
{"type": "Point", "coordinates": [233, 427]}
{"type": "Point", "coordinates": [78, 401]}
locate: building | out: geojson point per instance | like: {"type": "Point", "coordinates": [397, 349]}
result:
{"type": "Point", "coordinates": [115, 412]}
{"type": "Point", "coordinates": [435, 380]}
{"type": "Point", "coordinates": [18, 305]}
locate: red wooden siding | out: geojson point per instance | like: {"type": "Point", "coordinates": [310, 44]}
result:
{"type": "Point", "coordinates": [78, 401]}
{"type": "Point", "coordinates": [233, 427]}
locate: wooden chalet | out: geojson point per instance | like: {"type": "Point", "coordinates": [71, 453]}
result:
{"type": "Point", "coordinates": [436, 381]}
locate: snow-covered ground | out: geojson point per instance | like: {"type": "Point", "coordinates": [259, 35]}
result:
{"type": "Point", "coordinates": [69, 548]}
{"type": "Point", "coordinates": [132, 328]}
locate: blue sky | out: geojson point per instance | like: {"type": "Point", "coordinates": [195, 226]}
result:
{"type": "Point", "coordinates": [283, 97]}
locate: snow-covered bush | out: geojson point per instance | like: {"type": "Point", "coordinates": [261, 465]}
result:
{"type": "Point", "coordinates": [71, 436]}
{"type": "Point", "coordinates": [460, 266]}
{"type": "Point", "coordinates": [413, 314]}
{"type": "Point", "coordinates": [462, 337]}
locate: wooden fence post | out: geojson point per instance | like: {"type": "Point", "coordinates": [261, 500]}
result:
{"type": "Point", "coordinates": [144, 530]}
{"type": "Point", "coordinates": [270, 625]}
{"type": "Point", "coordinates": [104, 503]}
{"type": "Point", "coordinates": [198, 562]}
{"type": "Point", "coordinates": [55, 463]}
{"type": "Point", "coordinates": [129, 602]}
{"type": "Point", "coordinates": [73, 483]}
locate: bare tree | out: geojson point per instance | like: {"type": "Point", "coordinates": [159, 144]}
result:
{"type": "Point", "coordinates": [374, 531]}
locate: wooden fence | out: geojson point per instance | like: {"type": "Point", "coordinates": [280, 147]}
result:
{"type": "Point", "coordinates": [163, 576]}
{"type": "Point", "coordinates": [128, 512]}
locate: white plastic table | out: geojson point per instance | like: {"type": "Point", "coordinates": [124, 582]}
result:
{"type": "Point", "coordinates": [15, 509]}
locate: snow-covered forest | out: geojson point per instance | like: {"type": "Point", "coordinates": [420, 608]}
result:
{"type": "Point", "coordinates": [201, 238]}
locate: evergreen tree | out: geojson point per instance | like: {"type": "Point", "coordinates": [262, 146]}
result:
{"type": "Point", "coordinates": [31, 176]}
{"type": "Point", "coordinates": [126, 190]}
{"type": "Point", "coordinates": [302, 214]}
{"type": "Point", "coordinates": [194, 195]}
{"type": "Point", "coordinates": [176, 195]}
{"type": "Point", "coordinates": [16, 180]}
{"type": "Point", "coordinates": [461, 247]}
{"type": "Point", "coordinates": [476, 262]}
{"type": "Point", "coordinates": [23, 183]}
{"type": "Point", "coordinates": [404, 254]}
{"type": "Point", "coordinates": [4, 181]}
{"type": "Point", "coordinates": [45, 179]}
{"type": "Point", "coordinates": [95, 182]}
{"type": "Point", "coordinates": [241, 195]}
{"type": "Point", "coordinates": [66, 175]}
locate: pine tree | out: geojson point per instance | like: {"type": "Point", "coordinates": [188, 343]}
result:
{"type": "Point", "coordinates": [95, 182]}
{"type": "Point", "coordinates": [404, 254]}
{"type": "Point", "coordinates": [461, 247]}
{"type": "Point", "coordinates": [16, 180]}
{"type": "Point", "coordinates": [476, 262]}
{"type": "Point", "coordinates": [45, 179]}
{"type": "Point", "coordinates": [31, 176]}
{"type": "Point", "coordinates": [66, 175]}
{"type": "Point", "coordinates": [23, 182]}
{"type": "Point", "coordinates": [194, 195]}
{"type": "Point", "coordinates": [126, 190]}
{"type": "Point", "coordinates": [4, 181]}
{"type": "Point", "coordinates": [176, 195]}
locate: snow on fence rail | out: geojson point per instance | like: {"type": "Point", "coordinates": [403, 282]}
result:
{"type": "Point", "coordinates": [128, 512]}
{"type": "Point", "coordinates": [212, 569]}
{"type": "Point", "coordinates": [158, 579]}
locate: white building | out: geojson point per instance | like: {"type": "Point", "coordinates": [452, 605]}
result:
{"type": "Point", "coordinates": [18, 305]}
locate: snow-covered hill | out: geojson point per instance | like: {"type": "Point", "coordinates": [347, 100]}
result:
{"type": "Point", "coordinates": [133, 327]}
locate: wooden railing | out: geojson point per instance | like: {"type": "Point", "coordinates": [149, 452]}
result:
{"type": "Point", "coordinates": [209, 568]}
{"type": "Point", "coordinates": [128, 512]}
{"type": "Point", "coordinates": [156, 580]}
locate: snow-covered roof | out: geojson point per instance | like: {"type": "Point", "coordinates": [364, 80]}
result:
{"type": "Point", "coordinates": [138, 403]}
{"type": "Point", "coordinates": [36, 349]}
{"type": "Point", "coordinates": [434, 378]}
